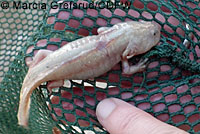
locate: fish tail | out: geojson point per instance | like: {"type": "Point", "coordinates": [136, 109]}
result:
{"type": "Point", "coordinates": [24, 103]}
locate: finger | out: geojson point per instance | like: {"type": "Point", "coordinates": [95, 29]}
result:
{"type": "Point", "coordinates": [119, 117]}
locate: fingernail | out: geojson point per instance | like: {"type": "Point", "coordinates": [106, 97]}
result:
{"type": "Point", "coordinates": [105, 108]}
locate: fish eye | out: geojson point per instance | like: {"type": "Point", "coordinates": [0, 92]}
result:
{"type": "Point", "coordinates": [154, 33]}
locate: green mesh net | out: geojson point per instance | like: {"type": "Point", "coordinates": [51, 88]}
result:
{"type": "Point", "coordinates": [169, 89]}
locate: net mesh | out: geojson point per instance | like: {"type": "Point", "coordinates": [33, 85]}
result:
{"type": "Point", "coordinates": [169, 89]}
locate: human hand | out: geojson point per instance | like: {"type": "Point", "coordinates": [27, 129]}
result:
{"type": "Point", "coordinates": [119, 117]}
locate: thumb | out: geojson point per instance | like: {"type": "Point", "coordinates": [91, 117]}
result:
{"type": "Point", "coordinates": [119, 117]}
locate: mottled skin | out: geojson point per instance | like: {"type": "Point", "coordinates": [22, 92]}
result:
{"type": "Point", "coordinates": [90, 57]}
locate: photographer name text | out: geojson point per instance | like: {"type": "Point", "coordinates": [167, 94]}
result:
{"type": "Point", "coordinates": [63, 5]}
